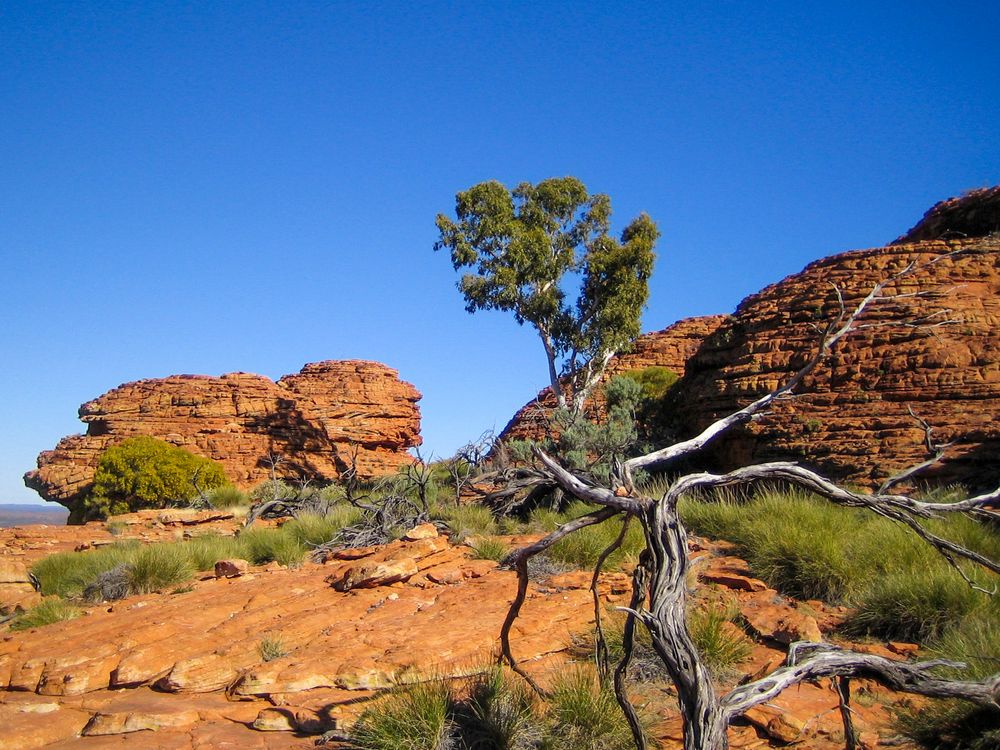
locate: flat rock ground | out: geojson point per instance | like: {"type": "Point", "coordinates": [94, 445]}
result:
{"type": "Point", "coordinates": [183, 669]}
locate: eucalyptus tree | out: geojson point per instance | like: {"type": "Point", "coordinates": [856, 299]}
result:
{"type": "Point", "coordinates": [528, 250]}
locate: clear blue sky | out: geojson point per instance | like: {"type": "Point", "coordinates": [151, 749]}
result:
{"type": "Point", "coordinates": [218, 186]}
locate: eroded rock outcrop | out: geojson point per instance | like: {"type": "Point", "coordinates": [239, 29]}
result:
{"type": "Point", "coordinates": [313, 420]}
{"type": "Point", "coordinates": [933, 359]}
{"type": "Point", "coordinates": [669, 348]}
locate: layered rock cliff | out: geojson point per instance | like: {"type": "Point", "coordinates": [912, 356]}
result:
{"type": "Point", "coordinates": [313, 421]}
{"type": "Point", "coordinates": [931, 359]}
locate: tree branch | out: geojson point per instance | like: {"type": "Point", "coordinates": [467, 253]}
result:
{"type": "Point", "coordinates": [824, 660]}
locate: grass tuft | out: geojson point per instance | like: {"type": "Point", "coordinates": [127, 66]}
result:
{"type": "Point", "coordinates": [271, 648]}
{"type": "Point", "coordinates": [411, 718]}
{"type": "Point", "coordinates": [50, 610]}
{"type": "Point", "coordinates": [489, 548]}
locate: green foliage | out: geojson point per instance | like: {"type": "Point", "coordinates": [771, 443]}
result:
{"type": "Point", "coordinates": [583, 444]}
{"type": "Point", "coordinates": [46, 612]}
{"type": "Point", "coordinates": [583, 548]}
{"type": "Point", "coordinates": [500, 714]}
{"type": "Point", "coordinates": [143, 472]}
{"type": "Point", "coordinates": [228, 496]}
{"type": "Point", "coordinates": [957, 725]}
{"type": "Point", "coordinates": [66, 574]}
{"type": "Point", "coordinates": [720, 644]}
{"type": "Point", "coordinates": [264, 545]}
{"type": "Point", "coordinates": [489, 548]}
{"type": "Point", "coordinates": [312, 529]}
{"type": "Point", "coordinates": [530, 248]}
{"type": "Point", "coordinates": [654, 382]}
{"type": "Point", "coordinates": [806, 547]}
{"type": "Point", "coordinates": [466, 520]}
{"type": "Point", "coordinates": [585, 716]}
{"type": "Point", "coordinates": [205, 550]}
{"type": "Point", "coordinates": [417, 717]}
{"type": "Point", "coordinates": [155, 567]}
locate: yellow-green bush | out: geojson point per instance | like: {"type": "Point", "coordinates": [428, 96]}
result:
{"type": "Point", "coordinates": [143, 472]}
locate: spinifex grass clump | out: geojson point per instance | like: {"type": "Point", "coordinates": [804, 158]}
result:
{"type": "Point", "coordinates": [418, 717]}
{"type": "Point", "coordinates": [957, 725]}
{"type": "Point", "coordinates": [48, 611]}
{"type": "Point", "coordinates": [582, 549]}
{"type": "Point", "coordinates": [582, 714]}
{"type": "Point", "coordinates": [899, 586]}
{"type": "Point", "coordinates": [489, 548]}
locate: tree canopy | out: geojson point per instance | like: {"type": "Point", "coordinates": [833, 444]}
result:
{"type": "Point", "coordinates": [529, 250]}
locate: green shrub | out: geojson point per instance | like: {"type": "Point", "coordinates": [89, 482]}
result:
{"type": "Point", "coordinates": [654, 381]}
{"type": "Point", "coordinates": [46, 612]}
{"type": "Point", "coordinates": [585, 716]}
{"type": "Point", "coordinates": [264, 545]}
{"type": "Point", "coordinates": [417, 717]}
{"type": "Point", "coordinates": [143, 472]}
{"type": "Point", "coordinates": [228, 496]}
{"type": "Point", "coordinates": [155, 567]}
{"type": "Point", "coordinates": [489, 548]}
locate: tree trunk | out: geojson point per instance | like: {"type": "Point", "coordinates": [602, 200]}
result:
{"type": "Point", "coordinates": [703, 719]}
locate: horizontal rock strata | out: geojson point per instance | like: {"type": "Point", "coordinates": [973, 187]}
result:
{"type": "Point", "coordinates": [315, 421]}
{"type": "Point", "coordinates": [861, 416]}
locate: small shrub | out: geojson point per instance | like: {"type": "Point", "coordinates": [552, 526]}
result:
{"type": "Point", "coordinates": [271, 648]}
{"type": "Point", "coordinates": [412, 718]}
{"type": "Point", "coordinates": [500, 713]}
{"type": "Point", "coordinates": [489, 548]}
{"type": "Point", "coordinates": [49, 610]}
{"type": "Point", "coordinates": [116, 528]}
{"type": "Point", "coordinates": [583, 715]}
{"type": "Point", "coordinates": [155, 567]}
{"type": "Point", "coordinates": [263, 545]}
{"type": "Point", "coordinates": [228, 496]}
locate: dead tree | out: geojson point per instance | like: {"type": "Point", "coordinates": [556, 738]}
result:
{"type": "Point", "coordinates": [659, 595]}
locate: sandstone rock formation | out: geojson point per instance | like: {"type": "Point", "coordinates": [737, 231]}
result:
{"type": "Point", "coordinates": [669, 348]}
{"type": "Point", "coordinates": [860, 416]}
{"type": "Point", "coordinates": [313, 421]}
